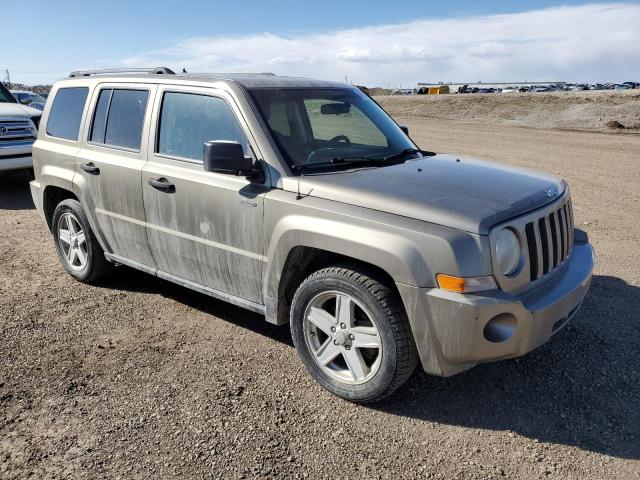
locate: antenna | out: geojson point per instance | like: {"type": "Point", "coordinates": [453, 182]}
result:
{"type": "Point", "coordinates": [298, 196]}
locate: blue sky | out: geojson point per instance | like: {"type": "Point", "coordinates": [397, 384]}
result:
{"type": "Point", "coordinates": [388, 43]}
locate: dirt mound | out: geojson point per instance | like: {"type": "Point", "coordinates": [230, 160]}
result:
{"type": "Point", "coordinates": [588, 111]}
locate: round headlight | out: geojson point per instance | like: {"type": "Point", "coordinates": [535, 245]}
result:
{"type": "Point", "coordinates": [507, 251]}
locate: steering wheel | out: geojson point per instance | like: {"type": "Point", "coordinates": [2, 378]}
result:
{"type": "Point", "coordinates": [339, 138]}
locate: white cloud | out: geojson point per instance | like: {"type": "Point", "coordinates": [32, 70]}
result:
{"type": "Point", "coordinates": [597, 42]}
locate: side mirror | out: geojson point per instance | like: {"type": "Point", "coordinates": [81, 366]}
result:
{"type": "Point", "coordinates": [24, 98]}
{"type": "Point", "coordinates": [223, 156]}
{"type": "Point", "coordinates": [404, 129]}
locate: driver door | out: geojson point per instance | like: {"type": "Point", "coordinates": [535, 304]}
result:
{"type": "Point", "coordinates": [203, 227]}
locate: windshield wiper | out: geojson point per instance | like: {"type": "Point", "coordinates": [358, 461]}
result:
{"type": "Point", "coordinates": [357, 161]}
{"type": "Point", "coordinates": [404, 153]}
{"type": "Point", "coordinates": [339, 161]}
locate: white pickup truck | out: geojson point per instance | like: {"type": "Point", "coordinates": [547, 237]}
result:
{"type": "Point", "coordinates": [18, 131]}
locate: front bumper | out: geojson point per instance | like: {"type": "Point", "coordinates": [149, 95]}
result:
{"type": "Point", "coordinates": [15, 163]}
{"type": "Point", "coordinates": [454, 332]}
{"type": "Point", "coordinates": [15, 154]}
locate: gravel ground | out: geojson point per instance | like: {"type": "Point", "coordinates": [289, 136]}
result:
{"type": "Point", "coordinates": [138, 378]}
{"type": "Point", "coordinates": [585, 110]}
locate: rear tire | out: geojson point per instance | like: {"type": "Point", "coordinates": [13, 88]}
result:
{"type": "Point", "coordinates": [363, 354]}
{"type": "Point", "coordinates": [80, 253]}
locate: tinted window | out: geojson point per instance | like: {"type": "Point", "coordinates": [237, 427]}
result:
{"type": "Point", "coordinates": [188, 121]}
{"type": "Point", "coordinates": [99, 124]}
{"type": "Point", "coordinates": [66, 113]}
{"type": "Point", "coordinates": [5, 95]}
{"type": "Point", "coordinates": [119, 117]}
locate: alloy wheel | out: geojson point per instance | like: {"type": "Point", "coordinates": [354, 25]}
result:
{"type": "Point", "coordinates": [342, 338]}
{"type": "Point", "coordinates": [72, 241]}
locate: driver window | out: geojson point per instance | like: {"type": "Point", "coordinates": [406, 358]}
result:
{"type": "Point", "coordinates": [354, 124]}
{"type": "Point", "coordinates": [187, 120]}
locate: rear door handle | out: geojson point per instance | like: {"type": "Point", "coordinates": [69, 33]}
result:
{"type": "Point", "coordinates": [90, 168]}
{"type": "Point", "coordinates": [162, 184]}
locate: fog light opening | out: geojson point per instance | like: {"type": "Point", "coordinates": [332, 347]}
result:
{"type": "Point", "coordinates": [500, 328]}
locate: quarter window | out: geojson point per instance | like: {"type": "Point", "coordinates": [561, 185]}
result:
{"type": "Point", "coordinates": [119, 118]}
{"type": "Point", "coordinates": [189, 120]}
{"type": "Point", "coordinates": [66, 113]}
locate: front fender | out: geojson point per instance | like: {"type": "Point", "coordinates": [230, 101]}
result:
{"type": "Point", "coordinates": [410, 251]}
{"type": "Point", "coordinates": [397, 256]}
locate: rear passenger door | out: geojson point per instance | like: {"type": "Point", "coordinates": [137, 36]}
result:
{"type": "Point", "coordinates": [204, 227]}
{"type": "Point", "coordinates": [110, 166]}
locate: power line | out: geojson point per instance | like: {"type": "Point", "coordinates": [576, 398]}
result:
{"type": "Point", "coordinates": [42, 71]}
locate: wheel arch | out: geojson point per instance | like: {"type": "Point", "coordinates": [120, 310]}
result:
{"type": "Point", "coordinates": [300, 245]}
{"type": "Point", "coordinates": [303, 260]}
{"type": "Point", "coordinates": [51, 197]}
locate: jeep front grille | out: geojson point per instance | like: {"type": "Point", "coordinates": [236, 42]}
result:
{"type": "Point", "coordinates": [546, 237]}
{"type": "Point", "coordinates": [550, 240]}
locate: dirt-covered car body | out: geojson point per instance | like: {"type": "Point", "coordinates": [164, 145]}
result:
{"type": "Point", "coordinates": [432, 225]}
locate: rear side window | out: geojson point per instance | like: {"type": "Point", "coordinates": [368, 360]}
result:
{"type": "Point", "coordinates": [189, 120]}
{"type": "Point", "coordinates": [66, 113]}
{"type": "Point", "coordinates": [119, 118]}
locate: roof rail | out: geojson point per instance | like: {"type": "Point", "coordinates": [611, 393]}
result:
{"type": "Point", "coordinates": [110, 71]}
{"type": "Point", "coordinates": [205, 74]}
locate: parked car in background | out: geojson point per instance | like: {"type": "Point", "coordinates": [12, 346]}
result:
{"type": "Point", "coordinates": [622, 86]}
{"type": "Point", "coordinates": [540, 88]}
{"type": "Point", "coordinates": [29, 98]}
{"type": "Point", "coordinates": [18, 131]}
{"type": "Point", "coordinates": [579, 87]}
{"type": "Point", "coordinates": [304, 201]}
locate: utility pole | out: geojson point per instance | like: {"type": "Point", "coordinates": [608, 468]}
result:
{"type": "Point", "coordinates": [8, 76]}
{"type": "Point", "coordinates": [346, 79]}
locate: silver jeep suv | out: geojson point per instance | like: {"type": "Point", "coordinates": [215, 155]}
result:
{"type": "Point", "coordinates": [304, 201]}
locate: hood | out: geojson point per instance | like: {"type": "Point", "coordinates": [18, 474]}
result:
{"type": "Point", "coordinates": [18, 110]}
{"type": "Point", "coordinates": [466, 194]}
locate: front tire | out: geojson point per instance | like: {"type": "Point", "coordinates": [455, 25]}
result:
{"type": "Point", "coordinates": [352, 334]}
{"type": "Point", "coordinates": [80, 253]}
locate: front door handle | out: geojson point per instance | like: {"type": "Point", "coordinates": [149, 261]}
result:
{"type": "Point", "coordinates": [162, 184]}
{"type": "Point", "coordinates": [90, 168]}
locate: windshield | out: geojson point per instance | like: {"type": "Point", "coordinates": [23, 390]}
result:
{"type": "Point", "coordinates": [324, 125]}
{"type": "Point", "coordinates": [5, 95]}
{"type": "Point", "coordinates": [37, 98]}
